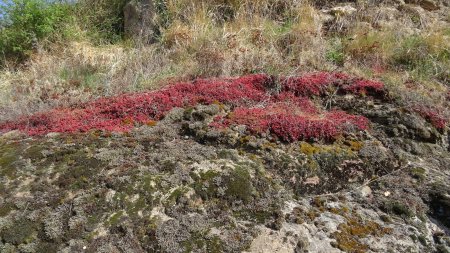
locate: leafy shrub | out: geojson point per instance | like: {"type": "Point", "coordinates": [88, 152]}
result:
{"type": "Point", "coordinates": [26, 23]}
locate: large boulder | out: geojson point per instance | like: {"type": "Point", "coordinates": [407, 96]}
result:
{"type": "Point", "coordinates": [429, 5]}
{"type": "Point", "coordinates": [139, 20]}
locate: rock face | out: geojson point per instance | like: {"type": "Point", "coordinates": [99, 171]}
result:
{"type": "Point", "coordinates": [138, 20]}
{"type": "Point", "coordinates": [429, 5]}
{"type": "Point", "coordinates": [181, 185]}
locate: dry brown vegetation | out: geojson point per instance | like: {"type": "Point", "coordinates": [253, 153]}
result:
{"type": "Point", "coordinates": [397, 43]}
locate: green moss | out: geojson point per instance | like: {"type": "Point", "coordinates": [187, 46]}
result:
{"type": "Point", "coordinates": [308, 149]}
{"type": "Point", "coordinates": [92, 222]}
{"type": "Point", "coordinates": [423, 240]}
{"type": "Point", "coordinates": [47, 247]}
{"type": "Point", "coordinates": [134, 208]}
{"type": "Point", "coordinates": [386, 218]}
{"type": "Point", "coordinates": [204, 185]}
{"type": "Point", "coordinates": [259, 216]}
{"type": "Point", "coordinates": [418, 173]}
{"type": "Point", "coordinates": [175, 196]}
{"type": "Point", "coordinates": [5, 209]}
{"type": "Point", "coordinates": [115, 218]}
{"type": "Point", "coordinates": [355, 145]}
{"type": "Point", "coordinates": [245, 139]}
{"type": "Point", "coordinates": [78, 170]}
{"type": "Point", "coordinates": [188, 112]}
{"type": "Point", "coordinates": [239, 186]}
{"type": "Point", "coordinates": [335, 149]}
{"type": "Point", "coordinates": [22, 231]}
{"type": "Point", "coordinates": [397, 208]}
{"type": "Point", "coordinates": [8, 160]}
{"type": "Point", "coordinates": [200, 242]}
{"type": "Point", "coordinates": [35, 151]}
{"type": "Point", "coordinates": [151, 183]}
{"type": "Point", "coordinates": [227, 154]}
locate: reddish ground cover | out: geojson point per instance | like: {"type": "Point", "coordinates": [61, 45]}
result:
{"type": "Point", "coordinates": [288, 113]}
{"type": "Point", "coordinates": [433, 115]}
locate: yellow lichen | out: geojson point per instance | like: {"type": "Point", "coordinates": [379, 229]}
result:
{"type": "Point", "coordinates": [128, 121]}
{"type": "Point", "coordinates": [151, 123]}
{"type": "Point", "coordinates": [309, 149]}
{"type": "Point", "coordinates": [350, 233]}
{"type": "Point", "coordinates": [221, 105]}
{"type": "Point", "coordinates": [312, 149]}
{"type": "Point", "coordinates": [355, 145]}
{"type": "Point", "coordinates": [244, 139]}
{"type": "Point", "coordinates": [269, 145]}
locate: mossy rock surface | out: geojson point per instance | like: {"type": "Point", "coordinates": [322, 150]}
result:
{"type": "Point", "coordinates": [162, 189]}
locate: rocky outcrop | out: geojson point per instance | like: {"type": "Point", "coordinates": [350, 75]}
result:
{"type": "Point", "coordinates": [139, 20]}
{"type": "Point", "coordinates": [429, 5]}
{"type": "Point", "coordinates": [181, 184]}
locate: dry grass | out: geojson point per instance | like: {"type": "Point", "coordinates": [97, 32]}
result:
{"type": "Point", "coordinates": [230, 38]}
{"type": "Point", "coordinates": [77, 73]}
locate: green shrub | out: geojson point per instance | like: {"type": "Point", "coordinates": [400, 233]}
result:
{"type": "Point", "coordinates": [101, 19]}
{"type": "Point", "coordinates": [26, 23]}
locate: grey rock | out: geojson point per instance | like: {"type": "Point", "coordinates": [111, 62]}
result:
{"type": "Point", "coordinates": [138, 20]}
{"type": "Point", "coordinates": [429, 5]}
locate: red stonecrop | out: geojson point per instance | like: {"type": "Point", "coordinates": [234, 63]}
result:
{"type": "Point", "coordinates": [293, 122]}
{"type": "Point", "coordinates": [290, 114]}
{"type": "Point", "coordinates": [313, 84]}
{"type": "Point", "coordinates": [433, 115]}
{"type": "Point", "coordinates": [363, 86]}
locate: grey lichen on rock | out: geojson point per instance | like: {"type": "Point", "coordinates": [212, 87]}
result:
{"type": "Point", "coordinates": [183, 186]}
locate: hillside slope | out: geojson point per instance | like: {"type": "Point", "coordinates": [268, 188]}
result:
{"type": "Point", "coordinates": [228, 126]}
{"type": "Point", "coordinates": [323, 162]}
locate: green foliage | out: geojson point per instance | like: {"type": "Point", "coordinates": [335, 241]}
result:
{"type": "Point", "coordinates": [164, 17]}
{"type": "Point", "coordinates": [102, 19]}
{"type": "Point", "coordinates": [28, 22]}
{"type": "Point", "coordinates": [335, 53]}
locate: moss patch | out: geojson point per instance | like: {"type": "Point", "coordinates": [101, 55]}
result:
{"type": "Point", "coordinates": [200, 242]}
{"type": "Point", "coordinates": [239, 186]}
{"type": "Point", "coordinates": [9, 156]}
{"type": "Point", "coordinates": [418, 173]}
{"type": "Point", "coordinates": [204, 185]}
{"type": "Point", "coordinates": [397, 208]}
{"type": "Point", "coordinates": [22, 231]}
{"type": "Point", "coordinates": [5, 209]}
